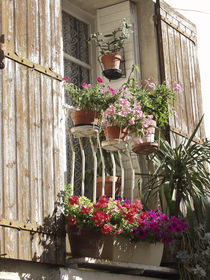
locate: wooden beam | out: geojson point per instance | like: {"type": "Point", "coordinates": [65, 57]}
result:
{"type": "Point", "coordinates": [26, 62]}
{"type": "Point", "coordinates": [28, 227]}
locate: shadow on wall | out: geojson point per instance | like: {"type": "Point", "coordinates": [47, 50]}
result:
{"type": "Point", "coordinates": [48, 251]}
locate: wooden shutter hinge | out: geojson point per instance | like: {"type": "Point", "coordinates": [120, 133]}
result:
{"type": "Point", "coordinates": [2, 56]}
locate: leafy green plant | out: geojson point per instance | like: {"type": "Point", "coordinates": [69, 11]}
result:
{"type": "Point", "coordinates": [181, 176]}
{"type": "Point", "coordinates": [112, 42]}
{"type": "Point", "coordinates": [91, 97]}
{"type": "Point", "coordinates": [155, 99]}
{"type": "Point", "coordinates": [194, 258]}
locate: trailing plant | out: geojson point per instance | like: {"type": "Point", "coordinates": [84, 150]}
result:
{"type": "Point", "coordinates": [114, 41]}
{"type": "Point", "coordinates": [155, 99]}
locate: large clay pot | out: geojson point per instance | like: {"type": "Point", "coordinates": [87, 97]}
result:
{"type": "Point", "coordinates": [108, 185]}
{"type": "Point", "coordinates": [85, 242]}
{"type": "Point", "coordinates": [111, 61]}
{"type": "Point", "coordinates": [114, 132]}
{"type": "Point", "coordinates": [85, 117]}
{"type": "Point", "coordinates": [120, 249]}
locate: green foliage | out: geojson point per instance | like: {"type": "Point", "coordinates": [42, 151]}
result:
{"type": "Point", "coordinates": [181, 175]}
{"type": "Point", "coordinates": [156, 103]}
{"type": "Point", "coordinates": [115, 39]}
{"type": "Point", "coordinates": [194, 259]}
{"type": "Point", "coordinates": [90, 97]}
{"type": "Point", "coordinates": [155, 99]}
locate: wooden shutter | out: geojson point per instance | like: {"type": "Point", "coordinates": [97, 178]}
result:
{"type": "Point", "coordinates": [31, 170]}
{"type": "Point", "coordinates": [179, 63]}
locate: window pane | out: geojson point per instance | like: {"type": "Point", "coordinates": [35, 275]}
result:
{"type": "Point", "coordinates": [75, 37]}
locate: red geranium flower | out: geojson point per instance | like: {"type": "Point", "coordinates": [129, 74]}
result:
{"type": "Point", "coordinates": [73, 200]}
{"type": "Point", "coordinates": [106, 228]}
{"type": "Point", "coordinates": [100, 217]}
{"type": "Point", "coordinates": [85, 210]}
{"type": "Point", "coordinates": [71, 221]}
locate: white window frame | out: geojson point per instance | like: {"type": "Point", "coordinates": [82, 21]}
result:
{"type": "Point", "coordinates": [90, 20]}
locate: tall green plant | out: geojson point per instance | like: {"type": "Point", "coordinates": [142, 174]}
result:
{"type": "Point", "coordinates": [181, 175]}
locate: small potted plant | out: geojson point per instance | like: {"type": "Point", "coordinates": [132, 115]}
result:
{"type": "Point", "coordinates": [123, 118]}
{"type": "Point", "coordinates": [111, 44]}
{"type": "Point", "coordinates": [156, 100]}
{"type": "Point", "coordinates": [89, 100]}
{"type": "Point", "coordinates": [112, 219]}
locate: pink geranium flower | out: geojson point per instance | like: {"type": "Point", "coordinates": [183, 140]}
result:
{"type": "Point", "coordinates": [99, 80]}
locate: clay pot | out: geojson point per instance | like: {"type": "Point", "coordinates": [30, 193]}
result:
{"type": "Point", "coordinates": [111, 61]}
{"type": "Point", "coordinates": [108, 185]}
{"type": "Point", "coordinates": [85, 242]}
{"type": "Point", "coordinates": [115, 133]}
{"type": "Point", "coordinates": [85, 117]}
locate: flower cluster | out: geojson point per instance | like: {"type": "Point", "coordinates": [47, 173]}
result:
{"type": "Point", "coordinates": [158, 227]}
{"type": "Point", "coordinates": [123, 217]}
{"type": "Point", "coordinates": [91, 97]}
{"type": "Point", "coordinates": [127, 113]}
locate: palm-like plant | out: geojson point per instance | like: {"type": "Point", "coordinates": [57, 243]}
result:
{"type": "Point", "coordinates": [181, 175]}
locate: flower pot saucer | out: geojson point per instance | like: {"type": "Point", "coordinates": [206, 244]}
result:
{"type": "Point", "coordinates": [114, 145]}
{"type": "Point", "coordinates": [85, 130]}
{"type": "Point", "coordinates": [145, 148]}
{"type": "Point", "coordinates": [112, 74]}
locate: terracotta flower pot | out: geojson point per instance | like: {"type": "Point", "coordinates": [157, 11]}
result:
{"type": "Point", "coordinates": [111, 61]}
{"type": "Point", "coordinates": [146, 144]}
{"type": "Point", "coordinates": [85, 117]}
{"type": "Point", "coordinates": [115, 133]}
{"type": "Point", "coordinates": [85, 242]}
{"type": "Point", "coordinates": [108, 185]}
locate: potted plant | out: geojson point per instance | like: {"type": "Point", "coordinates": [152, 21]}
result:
{"type": "Point", "coordinates": [155, 99]}
{"type": "Point", "coordinates": [123, 118]}
{"type": "Point", "coordinates": [110, 218]}
{"type": "Point", "coordinates": [111, 44]}
{"type": "Point", "coordinates": [181, 179]}
{"type": "Point", "coordinates": [89, 100]}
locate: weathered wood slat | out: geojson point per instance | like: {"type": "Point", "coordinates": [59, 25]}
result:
{"type": "Point", "coordinates": [22, 129]}
{"type": "Point", "coordinates": [9, 157]}
{"type": "Point", "coordinates": [59, 162]}
{"type": "Point", "coordinates": [182, 113]}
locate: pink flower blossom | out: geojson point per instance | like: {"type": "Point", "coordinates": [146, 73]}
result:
{"type": "Point", "coordinates": [124, 102]}
{"type": "Point", "coordinates": [99, 80]}
{"type": "Point", "coordinates": [65, 79]}
{"type": "Point", "coordinates": [84, 85]}
{"type": "Point", "coordinates": [89, 85]}
{"type": "Point", "coordinates": [113, 91]}
{"type": "Point", "coordinates": [152, 86]}
{"type": "Point", "coordinates": [132, 121]}
{"type": "Point", "coordinates": [110, 110]}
